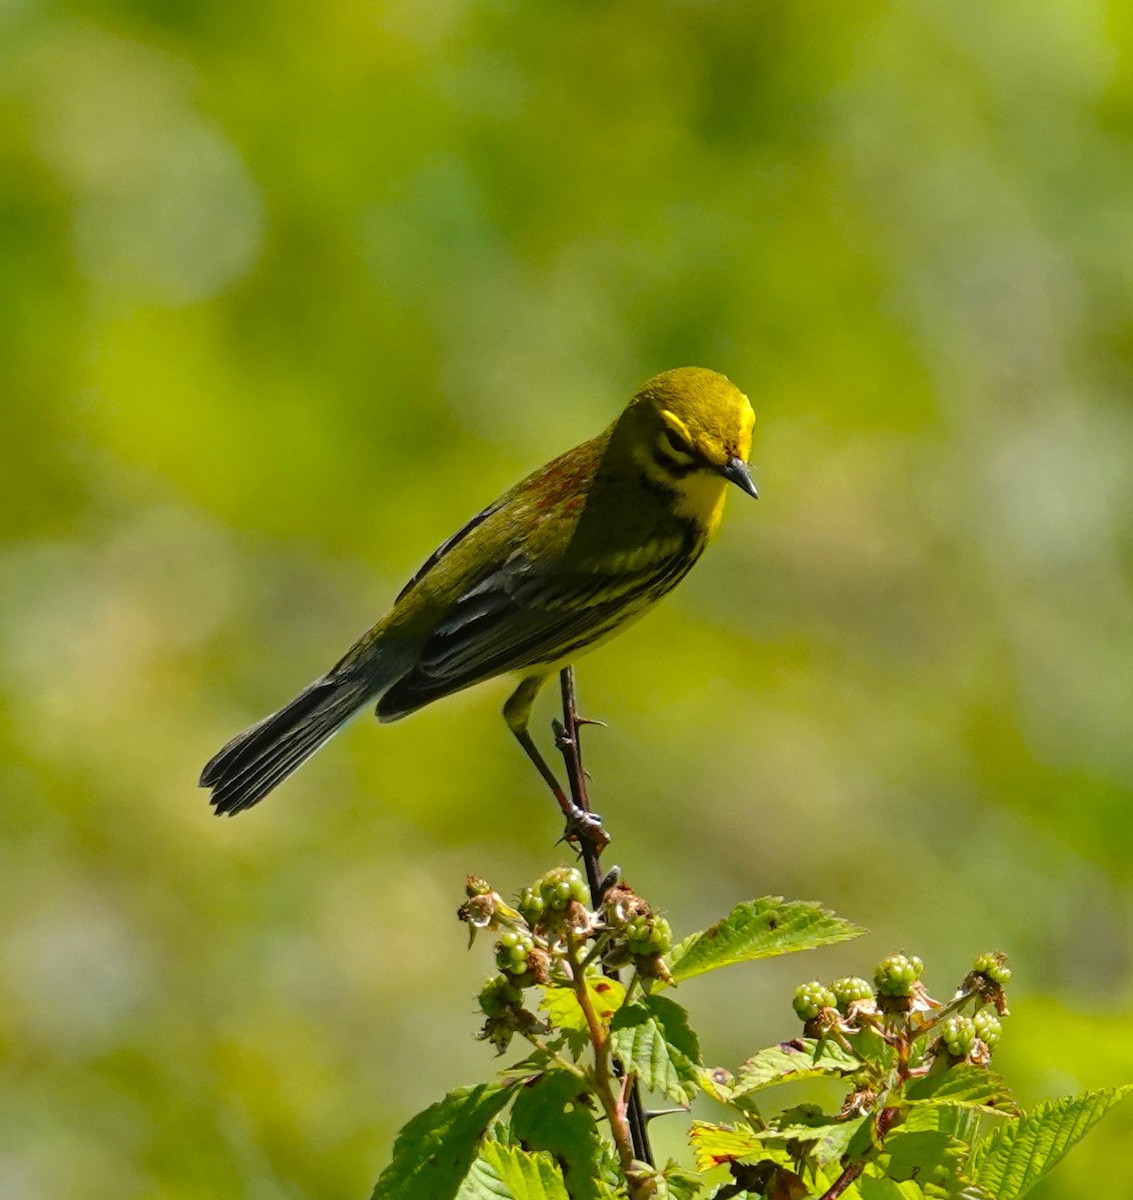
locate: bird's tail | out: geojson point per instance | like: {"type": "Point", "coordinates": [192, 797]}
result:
{"type": "Point", "coordinates": [260, 758]}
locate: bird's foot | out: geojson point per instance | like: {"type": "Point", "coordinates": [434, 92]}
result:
{"type": "Point", "coordinates": [585, 828]}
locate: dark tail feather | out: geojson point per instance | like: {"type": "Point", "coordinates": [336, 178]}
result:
{"type": "Point", "coordinates": [260, 758]}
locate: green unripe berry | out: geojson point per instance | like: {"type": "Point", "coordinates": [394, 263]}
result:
{"type": "Point", "coordinates": [662, 940]}
{"type": "Point", "coordinates": [959, 1036]}
{"type": "Point", "coordinates": [896, 975]}
{"type": "Point", "coordinates": [512, 951]}
{"type": "Point", "coordinates": [811, 998]}
{"type": "Point", "coordinates": [994, 966]}
{"type": "Point", "coordinates": [647, 934]}
{"type": "Point", "coordinates": [498, 995]}
{"type": "Point", "coordinates": [988, 1027]}
{"type": "Point", "coordinates": [559, 887]}
{"type": "Point", "coordinates": [850, 990]}
{"type": "Point", "coordinates": [531, 906]}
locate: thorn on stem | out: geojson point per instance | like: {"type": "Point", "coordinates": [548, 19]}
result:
{"type": "Point", "coordinates": [612, 876]}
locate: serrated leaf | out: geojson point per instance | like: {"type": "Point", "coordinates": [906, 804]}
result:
{"type": "Point", "coordinates": [964, 1084]}
{"type": "Point", "coordinates": [553, 1114]}
{"type": "Point", "coordinates": [759, 929]}
{"type": "Point", "coordinates": [434, 1150]}
{"type": "Point", "coordinates": [909, 1153]}
{"type": "Point", "coordinates": [1014, 1157]}
{"type": "Point", "coordinates": [829, 1139]}
{"type": "Point", "coordinates": [788, 1062]}
{"type": "Point", "coordinates": [714, 1145]}
{"type": "Point", "coordinates": [652, 1036]}
{"type": "Point", "coordinates": [833, 1140]}
{"type": "Point", "coordinates": [501, 1172]}
{"type": "Point", "coordinates": [564, 1011]}
{"type": "Point", "coordinates": [961, 1122]}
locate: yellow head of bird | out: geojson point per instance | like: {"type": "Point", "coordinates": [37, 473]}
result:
{"type": "Point", "coordinates": [691, 419]}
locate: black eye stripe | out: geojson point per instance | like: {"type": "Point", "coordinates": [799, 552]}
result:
{"type": "Point", "coordinates": [675, 460]}
{"type": "Point", "coordinates": [677, 442]}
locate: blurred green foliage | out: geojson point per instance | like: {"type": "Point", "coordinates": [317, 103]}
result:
{"type": "Point", "coordinates": [290, 290]}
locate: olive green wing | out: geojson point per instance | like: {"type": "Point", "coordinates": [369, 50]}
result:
{"type": "Point", "coordinates": [448, 544]}
{"type": "Point", "coordinates": [523, 615]}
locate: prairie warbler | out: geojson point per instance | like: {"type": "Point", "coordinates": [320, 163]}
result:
{"type": "Point", "coordinates": [558, 564]}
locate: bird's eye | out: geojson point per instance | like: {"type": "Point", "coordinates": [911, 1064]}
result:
{"type": "Point", "coordinates": [676, 441]}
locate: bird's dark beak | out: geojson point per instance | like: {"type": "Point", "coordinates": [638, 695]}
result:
{"type": "Point", "coordinates": [735, 470]}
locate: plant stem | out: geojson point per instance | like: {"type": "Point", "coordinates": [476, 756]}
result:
{"type": "Point", "coordinates": [942, 1014]}
{"type": "Point", "coordinates": [570, 746]}
{"type": "Point", "coordinates": [609, 1094]}
{"type": "Point", "coordinates": [843, 1181]}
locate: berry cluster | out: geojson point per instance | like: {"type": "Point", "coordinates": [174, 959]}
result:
{"type": "Point", "coordinates": [550, 897]}
{"type": "Point", "coordinates": [994, 967]}
{"type": "Point", "coordinates": [638, 936]}
{"type": "Point", "coordinates": [550, 936]}
{"type": "Point", "coordinates": [897, 979]}
{"type": "Point", "coordinates": [811, 998]}
{"type": "Point", "coordinates": [851, 990]}
{"type": "Point", "coordinates": [989, 1028]}
{"type": "Point", "coordinates": [897, 1008]}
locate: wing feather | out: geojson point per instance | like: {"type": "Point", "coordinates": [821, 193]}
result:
{"type": "Point", "coordinates": [521, 616]}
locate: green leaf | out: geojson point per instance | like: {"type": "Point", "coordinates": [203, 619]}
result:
{"type": "Point", "coordinates": [553, 1114]}
{"type": "Point", "coordinates": [1014, 1157]}
{"type": "Point", "coordinates": [788, 1062]}
{"type": "Point", "coordinates": [652, 1036]}
{"type": "Point", "coordinates": [714, 1145]}
{"type": "Point", "coordinates": [759, 929]}
{"type": "Point", "coordinates": [959, 1121]}
{"type": "Point", "coordinates": [432, 1153]}
{"type": "Point", "coordinates": [675, 1182]}
{"type": "Point", "coordinates": [606, 1191]}
{"type": "Point", "coordinates": [964, 1084]}
{"type": "Point", "coordinates": [833, 1140]}
{"type": "Point", "coordinates": [929, 1159]}
{"type": "Point", "coordinates": [829, 1139]}
{"type": "Point", "coordinates": [887, 1189]}
{"type": "Point", "coordinates": [920, 1153]}
{"type": "Point", "coordinates": [564, 1011]}
{"type": "Point", "coordinates": [501, 1172]}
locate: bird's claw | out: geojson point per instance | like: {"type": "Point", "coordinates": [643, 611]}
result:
{"type": "Point", "coordinates": [583, 826]}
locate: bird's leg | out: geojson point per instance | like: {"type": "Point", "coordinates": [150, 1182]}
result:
{"type": "Point", "coordinates": [581, 825]}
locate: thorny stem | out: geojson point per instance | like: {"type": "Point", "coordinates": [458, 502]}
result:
{"type": "Point", "coordinates": [570, 746]}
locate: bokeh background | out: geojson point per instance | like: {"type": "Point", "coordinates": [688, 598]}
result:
{"type": "Point", "coordinates": [290, 290]}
